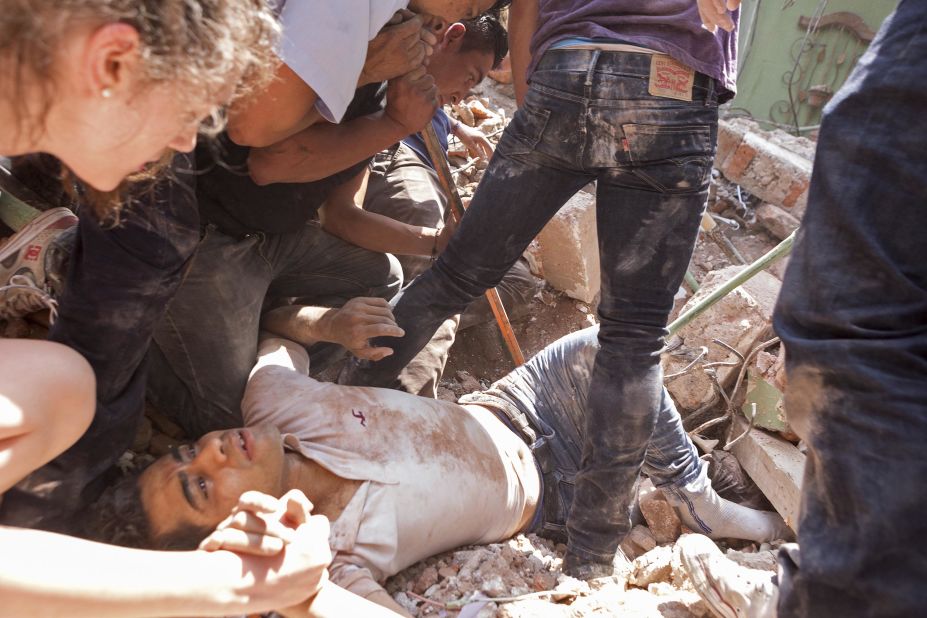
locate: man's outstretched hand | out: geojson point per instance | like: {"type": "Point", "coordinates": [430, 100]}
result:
{"type": "Point", "coordinates": [358, 321]}
{"type": "Point", "coordinates": [715, 13]}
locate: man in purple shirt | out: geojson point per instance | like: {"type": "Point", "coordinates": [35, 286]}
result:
{"type": "Point", "coordinates": [624, 94]}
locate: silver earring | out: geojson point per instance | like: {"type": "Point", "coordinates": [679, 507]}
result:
{"type": "Point", "coordinates": [106, 93]}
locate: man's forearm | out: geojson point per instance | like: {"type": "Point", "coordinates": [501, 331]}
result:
{"type": "Point", "coordinates": [324, 149]}
{"type": "Point", "coordinates": [300, 323]}
{"type": "Point", "coordinates": [523, 19]}
{"type": "Point", "coordinates": [376, 232]}
{"type": "Point", "coordinates": [42, 573]}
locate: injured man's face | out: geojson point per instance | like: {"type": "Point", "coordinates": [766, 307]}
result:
{"type": "Point", "coordinates": [197, 485]}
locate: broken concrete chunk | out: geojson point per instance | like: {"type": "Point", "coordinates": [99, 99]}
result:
{"type": "Point", "coordinates": [426, 580]}
{"type": "Point", "coordinates": [654, 566]}
{"type": "Point", "coordinates": [775, 169]}
{"type": "Point", "coordinates": [569, 249]}
{"type": "Point", "coordinates": [760, 560]}
{"type": "Point", "coordinates": [465, 115]}
{"type": "Point", "coordinates": [777, 221]}
{"type": "Point", "coordinates": [661, 518]}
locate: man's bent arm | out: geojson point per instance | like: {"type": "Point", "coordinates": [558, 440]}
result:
{"type": "Point", "coordinates": [324, 149]}
{"type": "Point", "coordinates": [523, 21]}
{"type": "Point", "coordinates": [343, 215]}
{"type": "Point", "coordinates": [52, 574]}
{"type": "Point", "coordinates": [282, 109]}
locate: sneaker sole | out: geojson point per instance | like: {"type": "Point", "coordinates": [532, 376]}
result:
{"type": "Point", "coordinates": [56, 218]}
{"type": "Point", "coordinates": [696, 562]}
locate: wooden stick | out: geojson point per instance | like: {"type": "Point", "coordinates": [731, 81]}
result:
{"type": "Point", "coordinates": [439, 159]}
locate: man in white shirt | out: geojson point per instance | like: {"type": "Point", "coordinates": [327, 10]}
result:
{"type": "Point", "coordinates": [324, 49]}
{"type": "Point", "coordinates": [403, 477]}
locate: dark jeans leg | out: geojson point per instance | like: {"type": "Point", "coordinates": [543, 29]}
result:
{"type": "Point", "coordinates": [404, 188]}
{"type": "Point", "coordinates": [647, 219]}
{"type": "Point", "coordinates": [118, 284]}
{"type": "Point", "coordinates": [206, 343]}
{"type": "Point", "coordinates": [853, 316]}
{"type": "Point", "coordinates": [519, 193]}
{"type": "Point", "coordinates": [552, 390]}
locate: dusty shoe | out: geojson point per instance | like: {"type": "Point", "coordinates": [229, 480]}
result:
{"type": "Point", "coordinates": [729, 590]}
{"type": "Point", "coordinates": [584, 570]}
{"type": "Point", "coordinates": [31, 262]}
{"type": "Point", "coordinates": [702, 510]}
{"type": "Point", "coordinates": [21, 297]}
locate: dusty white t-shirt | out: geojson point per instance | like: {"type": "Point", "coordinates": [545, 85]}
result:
{"type": "Point", "coordinates": [437, 475]}
{"type": "Point", "coordinates": [325, 43]}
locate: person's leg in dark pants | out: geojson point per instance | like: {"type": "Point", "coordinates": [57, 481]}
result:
{"type": "Point", "coordinates": [120, 279]}
{"type": "Point", "coordinates": [207, 340]}
{"type": "Point", "coordinates": [401, 186]}
{"type": "Point", "coordinates": [587, 116]}
{"type": "Point", "coordinates": [853, 316]}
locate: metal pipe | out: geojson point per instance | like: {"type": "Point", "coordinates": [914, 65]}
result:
{"type": "Point", "coordinates": [777, 252]}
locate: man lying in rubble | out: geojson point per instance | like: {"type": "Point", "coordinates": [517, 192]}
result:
{"type": "Point", "coordinates": [403, 477]}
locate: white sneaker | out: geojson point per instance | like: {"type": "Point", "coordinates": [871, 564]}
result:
{"type": "Point", "coordinates": [28, 264]}
{"type": "Point", "coordinates": [21, 297]}
{"type": "Point", "coordinates": [729, 590]}
{"type": "Point", "coordinates": [702, 510]}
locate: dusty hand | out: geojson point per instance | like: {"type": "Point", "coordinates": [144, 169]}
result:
{"type": "Point", "coordinates": [715, 13]}
{"type": "Point", "coordinates": [260, 524]}
{"type": "Point", "coordinates": [289, 550]}
{"type": "Point", "coordinates": [411, 100]}
{"type": "Point", "coordinates": [477, 144]}
{"type": "Point", "coordinates": [401, 46]}
{"type": "Point", "coordinates": [359, 320]}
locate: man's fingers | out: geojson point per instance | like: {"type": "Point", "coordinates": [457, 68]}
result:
{"type": "Point", "coordinates": [298, 507]}
{"type": "Point", "coordinates": [428, 37]}
{"type": "Point", "coordinates": [733, 5]}
{"type": "Point", "coordinates": [373, 354]}
{"type": "Point", "coordinates": [232, 539]}
{"type": "Point", "coordinates": [415, 74]}
{"type": "Point", "coordinates": [380, 330]}
{"type": "Point", "coordinates": [268, 524]}
{"type": "Point", "coordinates": [257, 502]}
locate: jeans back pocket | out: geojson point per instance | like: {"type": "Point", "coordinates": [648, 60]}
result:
{"type": "Point", "coordinates": [525, 130]}
{"type": "Point", "coordinates": [672, 159]}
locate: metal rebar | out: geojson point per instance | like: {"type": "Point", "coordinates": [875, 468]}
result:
{"type": "Point", "coordinates": [777, 252]}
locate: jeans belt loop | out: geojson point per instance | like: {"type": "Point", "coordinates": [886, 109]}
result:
{"type": "Point", "coordinates": [541, 450]}
{"type": "Point", "coordinates": [590, 71]}
{"type": "Point", "coordinates": [711, 91]}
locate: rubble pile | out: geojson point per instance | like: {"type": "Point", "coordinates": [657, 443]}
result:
{"type": "Point", "coordinates": [521, 578]}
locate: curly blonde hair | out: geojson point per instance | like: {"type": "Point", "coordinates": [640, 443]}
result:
{"type": "Point", "coordinates": [203, 47]}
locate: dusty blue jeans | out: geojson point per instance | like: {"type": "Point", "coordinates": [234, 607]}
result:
{"type": "Point", "coordinates": [551, 390]}
{"type": "Point", "coordinates": [587, 117]}
{"type": "Point", "coordinates": [853, 316]}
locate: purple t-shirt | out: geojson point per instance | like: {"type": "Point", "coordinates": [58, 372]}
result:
{"type": "Point", "coordinates": [672, 27]}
